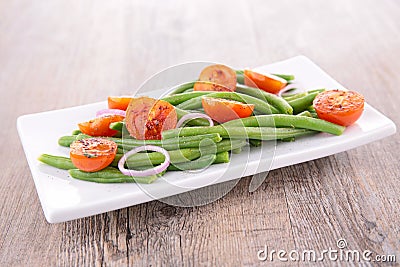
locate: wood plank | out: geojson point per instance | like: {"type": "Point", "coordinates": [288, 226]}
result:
{"type": "Point", "coordinates": [56, 54]}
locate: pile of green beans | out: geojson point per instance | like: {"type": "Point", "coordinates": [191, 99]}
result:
{"type": "Point", "coordinates": [181, 159]}
{"type": "Point", "coordinates": [197, 145]}
{"type": "Point", "coordinates": [186, 153]}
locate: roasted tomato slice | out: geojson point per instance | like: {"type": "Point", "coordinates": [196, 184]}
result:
{"type": "Point", "coordinates": [146, 118]}
{"type": "Point", "coordinates": [223, 110]}
{"type": "Point", "coordinates": [340, 107]}
{"type": "Point", "coordinates": [267, 82]}
{"type": "Point", "coordinates": [118, 102]}
{"type": "Point", "coordinates": [100, 126]}
{"type": "Point", "coordinates": [216, 78]}
{"type": "Point", "coordinates": [92, 154]}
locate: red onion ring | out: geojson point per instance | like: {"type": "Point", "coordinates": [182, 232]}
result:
{"type": "Point", "coordinates": [287, 88]}
{"type": "Point", "coordinates": [191, 116]}
{"type": "Point", "coordinates": [156, 170]}
{"type": "Point", "coordinates": [106, 112]}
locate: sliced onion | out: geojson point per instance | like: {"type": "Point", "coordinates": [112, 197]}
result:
{"type": "Point", "coordinates": [106, 112]}
{"type": "Point", "coordinates": [191, 116]}
{"type": "Point", "coordinates": [288, 88]}
{"type": "Point", "coordinates": [156, 170]}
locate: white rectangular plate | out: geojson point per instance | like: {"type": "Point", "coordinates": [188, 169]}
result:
{"type": "Point", "coordinates": [64, 198]}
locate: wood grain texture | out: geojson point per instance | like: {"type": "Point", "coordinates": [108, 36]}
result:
{"type": "Point", "coordinates": [55, 54]}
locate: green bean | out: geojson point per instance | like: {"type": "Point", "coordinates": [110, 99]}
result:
{"type": "Point", "coordinates": [176, 142]}
{"type": "Point", "coordinates": [316, 90]}
{"type": "Point", "coordinates": [287, 77]}
{"type": "Point", "coordinates": [282, 120]}
{"type": "Point", "coordinates": [119, 126]}
{"type": "Point", "coordinates": [289, 139]}
{"type": "Point", "coordinates": [289, 97]}
{"type": "Point", "coordinates": [274, 100]}
{"type": "Point", "coordinates": [130, 143]}
{"type": "Point", "coordinates": [178, 156]}
{"type": "Point", "coordinates": [302, 103]}
{"type": "Point", "coordinates": [312, 111]}
{"type": "Point", "coordinates": [182, 88]}
{"type": "Point", "coordinates": [82, 136]}
{"type": "Point", "coordinates": [240, 78]}
{"type": "Point", "coordinates": [311, 108]}
{"type": "Point", "coordinates": [228, 145]}
{"type": "Point", "coordinates": [239, 72]}
{"type": "Point", "coordinates": [199, 163]}
{"type": "Point", "coordinates": [222, 157]}
{"type": "Point", "coordinates": [260, 133]}
{"type": "Point", "coordinates": [110, 175]}
{"type": "Point", "coordinates": [305, 113]}
{"type": "Point", "coordinates": [237, 150]}
{"type": "Point", "coordinates": [195, 122]}
{"type": "Point", "coordinates": [66, 140]}
{"type": "Point", "coordinates": [76, 132]}
{"type": "Point", "coordinates": [59, 162]}
{"type": "Point", "coordinates": [259, 105]}
{"type": "Point", "coordinates": [266, 133]}
{"type": "Point", "coordinates": [294, 96]}
{"type": "Point", "coordinates": [255, 142]}
{"type": "Point", "coordinates": [168, 144]}
{"type": "Point", "coordinates": [179, 98]}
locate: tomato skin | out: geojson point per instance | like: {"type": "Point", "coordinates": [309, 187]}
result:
{"type": "Point", "coordinates": [267, 82]}
{"type": "Point", "coordinates": [92, 154]}
{"type": "Point", "coordinates": [118, 102]}
{"type": "Point", "coordinates": [338, 106]}
{"type": "Point", "coordinates": [223, 110]}
{"type": "Point", "coordinates": [100, 126]}
{"type": "Point", "coordinates": [146, 118]}
{"type": "Point", "coordinates": [210, 86]}
{"type": "Point", "coordinates": [216, 78]}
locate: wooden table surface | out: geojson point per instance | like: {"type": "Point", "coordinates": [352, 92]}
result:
{"type": "Point", "coordinates": [56, 54]}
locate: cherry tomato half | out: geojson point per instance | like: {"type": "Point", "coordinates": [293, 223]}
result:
{"type": "Point", "coordinates": [267, 82]}
{"type": "Point", "coordinates": [92, 154]}
{"type": "Point", "coordinates": [216, 78]}
{"type": "Point", "coordinates": [223, 110]}
{"type": "Point", "coordinates": [118, 102]}
{"type": "Point", "coordinates": [340, 107]}
{"type": "Point", "coordinates": [146, 118]}
{"type": "Point", "coordinates": [100, 126]}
